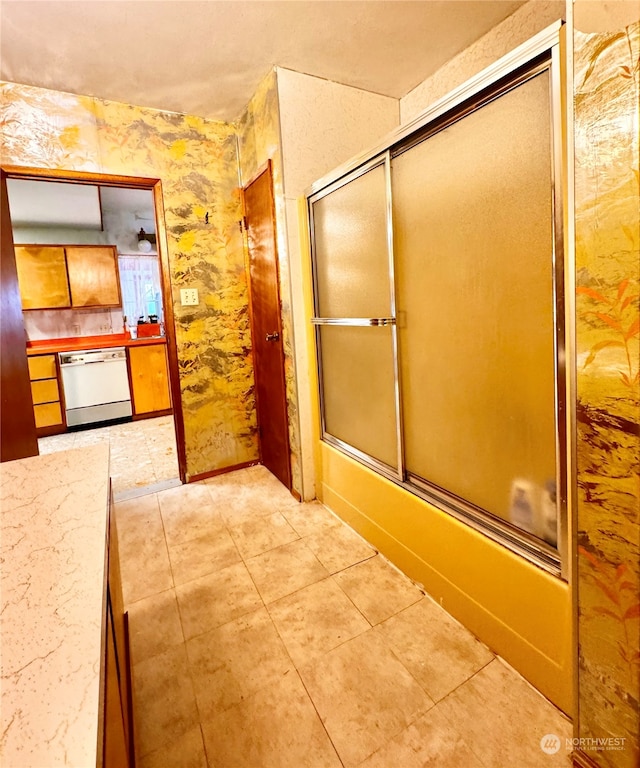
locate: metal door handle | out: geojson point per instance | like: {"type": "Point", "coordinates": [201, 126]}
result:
{"type": "Point", "coordinates": [272, 337]}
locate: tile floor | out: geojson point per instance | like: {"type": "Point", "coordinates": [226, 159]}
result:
{"type": "Point", "coordinates": [267, 634]}
{"type": "Point", "coordinates": [143, 453]}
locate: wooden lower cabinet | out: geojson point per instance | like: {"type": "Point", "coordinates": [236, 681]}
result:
{"type": "Point", "coordinates": [45, 392]}
{"type": "Point", "coordinates": [118, 719]}
{"type": "Point", "coordinates": [149, 379]}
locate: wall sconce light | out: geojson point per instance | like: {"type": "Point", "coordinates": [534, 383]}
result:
{"type": "Point", "coordinates": [145, 241]}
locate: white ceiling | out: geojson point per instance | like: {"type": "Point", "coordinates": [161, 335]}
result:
{"type": "Point", "coordinates": [206, 57]}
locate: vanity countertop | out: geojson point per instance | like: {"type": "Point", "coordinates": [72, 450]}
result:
{"type": "Point", "coordinates": [53, 527]}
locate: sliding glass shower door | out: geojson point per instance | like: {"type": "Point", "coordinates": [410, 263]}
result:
{"type": "Point", "coordinates": [355, 314]}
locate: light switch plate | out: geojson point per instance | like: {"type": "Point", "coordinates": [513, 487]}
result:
{"type": "Point", "coordinates": [189, 297]}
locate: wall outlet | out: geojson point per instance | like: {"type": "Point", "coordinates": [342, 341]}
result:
{"type": "Point", "coordinates": [189, 297]}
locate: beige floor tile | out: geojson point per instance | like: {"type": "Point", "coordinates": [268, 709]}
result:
{"type": "Point", "coordinates": [284, 570]}
{"type": "Point", "coordinates": [254, 537]}
{"type": "Point", "coordinates": [364, 696]}
{"type": "Point", "coordinates": [187, 523]}
{"type": "Point", "coordinates": [164, 703]}
{"type": "Point", "coordinates": [310, 518]}
{"type": "Point", "coordinates": [212, 600]}
{"type": "Point", "coordinates": [339, 547]}
{"type": "Point", "coordinates": [316, 619]}
{"type": "Point", "coordinates": [235, 660]}
{"type": "Point", "coordinates": [275, 728]}
{"type": "Point", "coordinates": [188, 495]}
{"type": "Point", "coordinates": [154, 625]}
{"type": "Point", "coordinates": [187, 751]}
{"type": "Point", "coordinates": [138, 520]}
{"type": "Point", "coordinates": [149, 580]}
{"type": "Point", "coordinates": [243, 503]}
{"type": "Point", "coordinates": [378, 589]}
{"type": "Point", "coordinates": [144, 560]}
{"type": "Point", "coordinates": [199, 557]}
{"type": "Point", "coordinates": [431, 741]}
{"type": "Point", "coordinates": [183, 498]}
{"type": "Point", "coordinates": [497, 701]}
{"type": "Point", "coordinates": [438, 651]}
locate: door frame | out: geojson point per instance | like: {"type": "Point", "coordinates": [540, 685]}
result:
{"type": "Point", "coordinates": [155, 186]}
{"type": "Point", "coordinates": [267, 168]}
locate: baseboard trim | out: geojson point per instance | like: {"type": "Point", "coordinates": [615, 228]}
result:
{"type": "Point", "coordinates": [222, 471]}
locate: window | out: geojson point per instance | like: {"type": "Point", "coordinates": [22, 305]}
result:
{"type": "Point", "coordinates": [140, 286]}
{"type": "Point", "coordinates": [438, 305]}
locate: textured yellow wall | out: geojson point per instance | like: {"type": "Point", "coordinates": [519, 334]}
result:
{"type": "Point", "coordinates": [197, 163]}
{"type": "Point", "coordinates": [607, 95]}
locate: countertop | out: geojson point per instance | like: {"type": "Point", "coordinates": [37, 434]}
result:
{"type": "Point", "coordinates": [78, 343]}
{"type": "Point", "coordinates": [53, 526]}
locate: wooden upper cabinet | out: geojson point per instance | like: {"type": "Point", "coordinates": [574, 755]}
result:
{"type": "Point", "coordinates": [42, 275]}
{"type": "Point", "coordinates": [93, 276]}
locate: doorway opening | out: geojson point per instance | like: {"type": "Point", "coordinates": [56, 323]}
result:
{"type": "Point", "coordinates": [85, 220]}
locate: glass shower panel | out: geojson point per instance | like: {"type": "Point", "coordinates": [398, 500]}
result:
{"type": "Point", "coordinates": [350, 249]}
{"type": "Point", "coordinates": [358, 389]}
{"type": "Point", "coordinates": [475, 297]}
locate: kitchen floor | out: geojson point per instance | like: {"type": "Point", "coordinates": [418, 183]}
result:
{"type": "Point", "coordinates": [266, 633]}
{"type": "Point", "coordinates": [143, 453]}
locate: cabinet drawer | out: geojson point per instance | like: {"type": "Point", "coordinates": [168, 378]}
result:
{"type": "Point", "coordinates": [45, 391]}
{"type": "Point", "coordinates": [48, 415]}
{"type": "Point", "coordinates": [42, 367]}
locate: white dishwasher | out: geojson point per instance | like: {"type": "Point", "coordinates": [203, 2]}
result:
{"type": "Point", "coordinates": [95, 383]}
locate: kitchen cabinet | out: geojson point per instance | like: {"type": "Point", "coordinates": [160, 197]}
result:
{"type": "Point", "coordinates": [93, 275]}
{"type": "Point", "coordinates": [42, 276]}
{"type": "Point", "coordinates": [118, 725]}
{"type": "Point", "coordinates": [59, 277]}
{"type": "Point", "coordinates": [69, 629]}
{"type": "Point", "coordinates": [45, 392]}
{"type": "Point", "coordinates": [149, 379]}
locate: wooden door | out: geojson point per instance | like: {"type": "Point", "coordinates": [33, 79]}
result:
{"type": "Point", "coordinates": [266, 327]}
{"type": "Point", "coordinates": [18, 433]}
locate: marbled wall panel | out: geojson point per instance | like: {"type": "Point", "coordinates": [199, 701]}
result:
{"type": "Point", "coordinates": [259, 141]}
{"type": "Point", "coordinates": [48, 129]}
{"type": "Point", "coordinates": [608, 406]}
{"type": "Point", "coordinates": [197, 162]}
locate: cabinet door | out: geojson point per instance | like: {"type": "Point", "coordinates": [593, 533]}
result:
{"type": "Point", "coordinates": [149, 378]}
{"type": "Point", "coordinates": [42, 275]}
{"type": "Point", "coordinates": [116, 748]}
{"type": "Point", "coordinates": [93, 276]}
{"type": "Point", "coordinates": [118, 742]}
